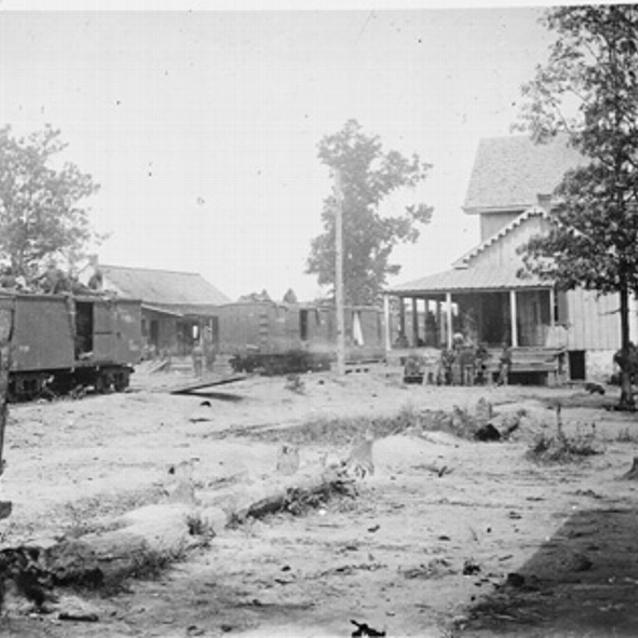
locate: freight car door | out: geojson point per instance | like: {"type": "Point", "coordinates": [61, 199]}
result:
{"type": "Point", "coordinates": [127, 330]}
{"type": "Point", "coordinates": [103, 329]}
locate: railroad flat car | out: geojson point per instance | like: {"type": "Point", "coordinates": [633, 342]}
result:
{"type": "Point", "coordinates": [62, 342]}
{"type": "Point", "coordinates": [278, 338]}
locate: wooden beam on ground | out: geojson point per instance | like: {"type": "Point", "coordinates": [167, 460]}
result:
{"type": "Point", "coordinates": [199, 385]}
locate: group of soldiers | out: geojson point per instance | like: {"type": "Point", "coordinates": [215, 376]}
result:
{"type": "Point", "coordinates": [465, 363]}
{"type": "Point", "coordinates": [52, 281]}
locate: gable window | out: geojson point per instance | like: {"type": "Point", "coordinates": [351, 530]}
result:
{"type": "Point", "coordinates": [561, 308]}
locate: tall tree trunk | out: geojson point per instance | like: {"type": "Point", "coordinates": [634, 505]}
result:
{"type": "Point", "coordinates": [626, 393]}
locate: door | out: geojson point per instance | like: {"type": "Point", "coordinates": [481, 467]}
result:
{"type": "Point", "coordinates": [494, 327]}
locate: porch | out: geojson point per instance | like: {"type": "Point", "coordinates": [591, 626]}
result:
{"type": "Point", "coordinates": [426, 322]}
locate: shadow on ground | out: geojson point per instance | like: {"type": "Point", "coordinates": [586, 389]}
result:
{"type": "Point", "coordinates": [582, 582]}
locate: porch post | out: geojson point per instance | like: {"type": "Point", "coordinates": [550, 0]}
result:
{"type": "Point", "coordinates": [415, 323]}
{"type": "Point", "coordinates": [513, 319]}
{"type": "Point", "coordinates": [633, 318]}
{"type": "Point", "coordinates": [448, 304]}
{"type": "Point", "coordinates": [425, 319]}
{"type": "Point", "coordinates": [552, 303]}
{"type": "Point", "coordinates": [386, 323]}
{"type": "Point", "coordinates": [401, 317]}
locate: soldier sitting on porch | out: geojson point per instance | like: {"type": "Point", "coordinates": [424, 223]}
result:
{"type": "Point", "coordinates": [458, 345]}
{"type": "Point", "coordinates": [402, 341]}
{"type": "Point", "coordinates": [480, 357]}
{"type": "Point", "coordinates": [445, 370]}
{"type": "Point", "coordinates": [505, 365]}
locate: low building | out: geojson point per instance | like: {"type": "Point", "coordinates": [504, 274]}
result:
{"type": "Point", "coordinates": [487, 297]}
{"type": "Point", "coordinates": [177, 307]}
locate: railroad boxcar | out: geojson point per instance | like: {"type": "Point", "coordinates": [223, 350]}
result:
{"type": "Point", "coordinates": [281, 337]}
{"type": "Point", "coordinates": [61, 342]}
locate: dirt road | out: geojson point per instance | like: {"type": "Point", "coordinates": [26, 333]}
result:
{"type": "Point", "coordinates": [448, 537]}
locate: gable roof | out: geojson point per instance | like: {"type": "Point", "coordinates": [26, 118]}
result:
{"type": "Point", "coordinates": [510, 172]}
{"type": "Point", "coordinates": [534, 211]}
{"type": "Point", "coordinates": [163, 287]}
{"type": "Point", "coordinates": [467, 276]}
{"type": "Point", "coordinates": [478, 278]}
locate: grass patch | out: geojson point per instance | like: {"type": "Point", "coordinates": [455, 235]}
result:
{"type": "Point", "coordinates": [626, 436]}
{"type": "Point", "coordinates": [79, 516]}
{"type": "Point", "coordinates": [150, 564]}
{"type": "Point", "coordinates": [342, 431]}
{"type": "Point", "coordinates": [560, 448]}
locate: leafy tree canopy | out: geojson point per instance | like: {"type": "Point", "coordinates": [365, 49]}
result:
{"type": "Point", "coordinates": [40, 213]}
{"type": "Point", "coordinates": [588, 88]}
{"type": "Point", "coordinates": [368, 175]}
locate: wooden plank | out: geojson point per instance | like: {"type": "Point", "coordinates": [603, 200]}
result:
{"type": "Point", "coordinates": [191, 387]}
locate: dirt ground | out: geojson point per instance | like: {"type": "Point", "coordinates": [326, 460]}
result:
{"type": "Point", "coordinates": [449, 537]}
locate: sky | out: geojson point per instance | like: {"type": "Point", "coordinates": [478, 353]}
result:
{"type": "Point", "coordinates": [202, 126]}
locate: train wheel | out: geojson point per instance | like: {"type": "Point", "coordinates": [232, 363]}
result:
{"type": "Point", "coordinates": [102, 383]}
{"type": "Point", "coordinates": [121, 381]}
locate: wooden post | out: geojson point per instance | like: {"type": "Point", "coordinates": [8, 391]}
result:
{"type": "Point", "coordinates": [401, 317]}
{"type": "Point", "coordinates": [386, 324]}
{"type": "Point", "coordinates": [6, 330]}
{"type": "Point", "coordinates": [425, 319]}
{"type": "Point", "coordinates": [448, 306]}
{"type": "Point", "coordinates": [341, 332]}
{"type": "Point", "coordinates": [415, 323]}
{"type": "Point", "coordinates": [552, 304]}
{"type": "Point", "coordinates": [633, 312]}
{"type": "Point", "coordinates": [513, 319]}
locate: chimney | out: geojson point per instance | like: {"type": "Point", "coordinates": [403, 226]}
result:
{"type": "Point", "coordinates": [544, 201]}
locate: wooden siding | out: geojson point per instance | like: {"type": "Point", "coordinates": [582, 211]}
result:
{"type": "Point", "coordinates": [491, 223]}
{"type": "Point", "coordinates": [593, 323]}
{"type": "Point", "coordinates": [504, 251]}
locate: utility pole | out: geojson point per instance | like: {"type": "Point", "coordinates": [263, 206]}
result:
{"type": "Point", "coordinates": [341, 330]}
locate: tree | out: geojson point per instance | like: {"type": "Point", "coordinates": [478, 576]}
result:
{"type": "Point", "coordinates": [290, 297]}
{"type": "Point", "coordinates": [368, 176]}
{"type": "Point", "coordinates": [40, 212]}
{"type": "Point", "coordinates": [588, 89]}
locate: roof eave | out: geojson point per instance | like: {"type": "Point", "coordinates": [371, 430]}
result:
{"type": "Point", "coordinates": [481, 210]}
{"type": "Point", "coordinates": [466, 290]}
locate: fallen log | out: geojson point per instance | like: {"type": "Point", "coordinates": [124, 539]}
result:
{"type": "Point", "coordinates": [295, 497]}
{"type": "Point", "coordinates": [147, 539]}
{"type": "Point", "coordinates": [138, 543]}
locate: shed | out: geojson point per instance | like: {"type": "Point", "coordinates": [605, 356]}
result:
{"type": "Point", "coordinates": [177, 307]}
